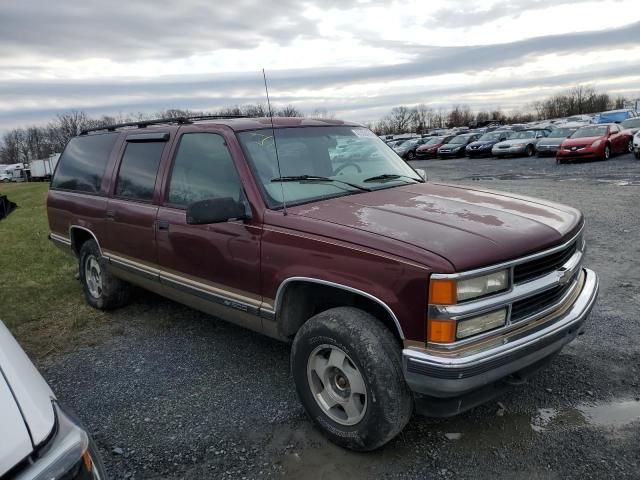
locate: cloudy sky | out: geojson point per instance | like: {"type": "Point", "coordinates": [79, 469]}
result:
{"type": "Point", "coordinates": [356, 58]}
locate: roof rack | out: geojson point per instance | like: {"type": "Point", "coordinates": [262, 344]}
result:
{"type": "Point", "coordinates": [159, 121]}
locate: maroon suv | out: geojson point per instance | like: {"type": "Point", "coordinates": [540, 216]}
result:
{"type": "Point", "coordinates": [397, 294]}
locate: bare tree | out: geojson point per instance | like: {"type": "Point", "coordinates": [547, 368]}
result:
{"type": "Point", "coordinates": [288, 111]}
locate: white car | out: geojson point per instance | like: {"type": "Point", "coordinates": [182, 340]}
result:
{"type": "Point", "coordinates": [39, 440]}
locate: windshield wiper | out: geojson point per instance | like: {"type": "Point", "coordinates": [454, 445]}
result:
{"type": "Point", "coordinates": [317, 178]}
{"type": "Point", "coordinates": [390, 176]}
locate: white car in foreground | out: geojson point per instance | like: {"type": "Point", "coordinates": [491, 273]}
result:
{"type": "Point", "coordinates": [39, 440]}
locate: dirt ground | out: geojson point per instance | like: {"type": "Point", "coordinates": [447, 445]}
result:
{"type": "Point", "coordinates": [172, 393]}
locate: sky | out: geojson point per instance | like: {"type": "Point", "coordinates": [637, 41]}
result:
{"type": "Point", "coordinates": [354, 58]}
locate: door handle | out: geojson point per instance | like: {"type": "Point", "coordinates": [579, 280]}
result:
{"type": "Point", "coordinates": [162, 225]}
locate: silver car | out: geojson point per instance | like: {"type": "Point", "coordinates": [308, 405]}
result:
{"type": "Point", "coordinates": [549, 145]}
{"type": "Point", "coordinates": [39, 439]}
{"type": "Point", "coordinates": [519, 143]}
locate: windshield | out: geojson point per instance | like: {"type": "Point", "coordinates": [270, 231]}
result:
{"type": "Point", "coordinates": [631, 123]}
{"type": "Point", "coordinates": [585, 132]}
{"type": "Point", "coordinates": [338, 154]}
{"type": "Point", "coordinates": [492, 136]}
{"type": "Point", "coordinates": [562, 132]}
{"type": "Point", "coordinates": [459, 139]}
{"type": "Point", "coordinates": [522, 134]}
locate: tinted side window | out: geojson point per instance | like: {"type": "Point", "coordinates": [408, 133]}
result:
{"type": "Point", "coordinates": [203, 169]}
{"type": "Point", "coordinates": [138, 170]}
{"type": "Point", "coordinates": [83, 163]}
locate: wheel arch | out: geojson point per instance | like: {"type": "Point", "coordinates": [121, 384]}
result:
{"type": "Point", "coordinates": [299, 298]}
{"type": "Point", "coordinates": [78, 235]}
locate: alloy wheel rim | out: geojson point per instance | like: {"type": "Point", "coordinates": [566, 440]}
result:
{"type": "Point", "coordinates": [93, 276]}
{"type": "Point", "coordinates": [607, 152]}
{"type": "Point", "coordinates": [337, 385]}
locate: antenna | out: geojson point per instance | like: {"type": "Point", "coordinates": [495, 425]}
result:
{"type": "Point", "coordinates": [275, 144]}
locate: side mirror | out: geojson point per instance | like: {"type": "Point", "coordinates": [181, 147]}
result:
{"type": "Point", "coordinates": [215, 210]}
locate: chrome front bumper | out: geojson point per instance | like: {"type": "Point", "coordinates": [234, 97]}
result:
{"type": "Point", "coordinates": [446, 376]}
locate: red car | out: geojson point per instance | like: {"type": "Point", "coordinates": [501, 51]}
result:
{"type": "Point", "coordinates": [597, 142]}
{"type": "Point", "coordinates": [430, 149]}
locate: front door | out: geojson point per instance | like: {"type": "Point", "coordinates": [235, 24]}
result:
{"type": "Point", "coordinates": [215, 267]}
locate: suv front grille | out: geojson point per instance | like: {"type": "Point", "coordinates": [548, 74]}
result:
{"type": "Point", "coordinates": [537, 303]}
{"type": "Point", "coordinates": [543, 265]}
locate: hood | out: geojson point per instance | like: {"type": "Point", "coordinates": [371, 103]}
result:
{"type": "Point", "coordinates": [570, 142]}
{"type": "Point", "coordinates": [423, 148]}
{"type": "Point", "coordinates": [453, 145]}
{"type": "Point", "coordinates": [515, 141]}
{"type": "Point", "coordinates": [25, 402]}
{"type": "Point", "coordinates": [482, 143]}
{"type": "Point", "coordinates": [551, 140]}
{"type": "Point", "coordinates": [15, 442]}
{"type": "Point", "coordinates": [468, 227]}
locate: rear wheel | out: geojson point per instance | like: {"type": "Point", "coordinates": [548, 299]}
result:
{"type": "Point", "coordinates": [411, 155]}
{"type": "Point", "coordinates": [347, 368]}
{"type": "Point", "coordinates": [101, 289]}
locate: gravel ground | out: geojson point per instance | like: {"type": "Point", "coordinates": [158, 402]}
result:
{"type": "Point", "coordinates": [175, 394]}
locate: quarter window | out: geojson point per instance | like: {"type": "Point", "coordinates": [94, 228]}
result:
{"type": "Point", "coordinates": [83, 163]}
{"type": "Point", "coordinates": [203, 169]}
{"type": "Point", "coordinates": [138, 170]}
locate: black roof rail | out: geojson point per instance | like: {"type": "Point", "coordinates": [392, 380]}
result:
{"type": "Point", "coordinates": [159, 121]}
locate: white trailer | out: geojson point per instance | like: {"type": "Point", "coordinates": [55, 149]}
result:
{"type": "Point", "coordinates": [43, 168]}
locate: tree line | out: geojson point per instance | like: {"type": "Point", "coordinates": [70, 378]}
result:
{"type": "Point", "coordinates": [22, 145]}
{"type": "Point", "coordinates": [576, 101]}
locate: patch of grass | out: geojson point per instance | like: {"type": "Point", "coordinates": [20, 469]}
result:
{"type": "Point", "coordinates": [40, 300]}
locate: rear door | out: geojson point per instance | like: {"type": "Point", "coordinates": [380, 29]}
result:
{"type": "Point", "coordinates": [218, 264]}
{"type": "Point", "coordinates": [131, 213]}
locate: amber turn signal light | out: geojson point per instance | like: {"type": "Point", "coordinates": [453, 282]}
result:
{"type": "Point", "coordinates": [442, 331]}
{"type": "Point", "coordinates": [442, 292]}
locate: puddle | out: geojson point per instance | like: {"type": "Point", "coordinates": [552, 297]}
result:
{"type": "Point", "coordinates": [616, 414]}
{"type": "Point", "coordinates": [612, 414]}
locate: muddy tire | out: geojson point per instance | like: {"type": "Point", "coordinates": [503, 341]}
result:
{"type": "Point", "coordinates": [347, 367]}
{"type": "Point", "coordinates": [101, 289]}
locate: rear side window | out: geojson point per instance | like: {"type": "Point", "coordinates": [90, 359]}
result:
{"type": "Point", "coordinates": [83, 163]}
{"type": "Point", "coordinates": [138, 170]}
{"type": "Point", "coordinates": [203, 169]}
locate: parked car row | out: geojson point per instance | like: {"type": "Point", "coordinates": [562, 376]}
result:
{"type": "Point", "coordinates": [571, 141]}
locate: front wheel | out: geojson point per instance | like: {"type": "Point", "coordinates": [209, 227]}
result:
{"type": "Point", "coordinates": [607, 152]}
{"type": "Point", "coordinates": [530, 151]}
{"type": "Point", "coordinates": [411, 156]}
{"type": "Point", "coordinates": [347, 368]}
{"type": "Point", "coordinates": [630, 146]}
{"type": "Point", "coordinates": [101, 289]}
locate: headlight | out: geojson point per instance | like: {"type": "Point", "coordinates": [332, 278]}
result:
{"type": "Point", "coordinates": [596, 143]}
{"type": "Point", "coordinates": [68, 455]}
{"type": "Point", "coordinates": [481, 286]}
{"type": "Point", "coordinates": [483, 323]}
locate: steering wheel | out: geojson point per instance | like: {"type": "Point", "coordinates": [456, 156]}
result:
{"type": "Point", "coordinates": [342, 167]}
